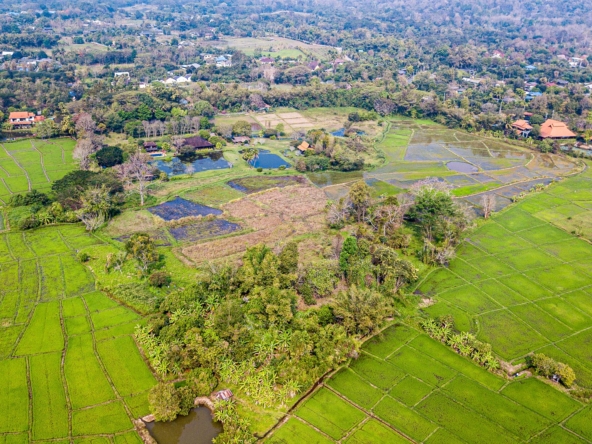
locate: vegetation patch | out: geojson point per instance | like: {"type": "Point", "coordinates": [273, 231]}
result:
{"type": "Point", "coordinates": [205, 229]}
{"type": "Point", "coordinates": [254, 184]}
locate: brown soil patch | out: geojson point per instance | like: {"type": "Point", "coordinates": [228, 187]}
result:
{"type": "Point", "coordinates": [275, 215]}
{"type": "Point", "coordinates": [290, 115]}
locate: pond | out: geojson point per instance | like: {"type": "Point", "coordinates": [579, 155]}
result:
{"type": "Point", "coordinates": [196, 428]}
{"type": "Point", "coordinates": [462, 167]}
{"type": "Point", "coordinates": [328, 178]}
{"type": "Point", "coordinates": [179, 208]}
{"type": "Point", "coordinates": [198, 161]}
{"type": "Point", "coordinates": [267, 160]}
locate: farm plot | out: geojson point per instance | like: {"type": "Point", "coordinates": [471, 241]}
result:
{"type": "Point", "coordinates": [537, 275]}
{"type": "Point", "coordinates": [66, 351]}
{"type": "Point", "coordinates": [179, 208]}
{"type": "Point", "coordinates": [422, 391]}
{"type": "Point", "coordinates": [273, 215]}
{"type": "Point", "coordinates": [33, 164]}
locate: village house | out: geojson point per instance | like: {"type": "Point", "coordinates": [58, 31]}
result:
{"type": "Point", "coordinates": [304, 146]}
{"type": "Point", "coordinates": [223, 395]}
{"type": "Point", "coordinates": [314, 65]}
{"type": "Point", "coordinates": [241, 139]}
{"type": "Point", "coordinates": [522, 128]}
{"type": "Point", "coordinates": [24, 119]}
{"type": "Point", "coordinates": [553, 129]}
{"type": "Point", "coordinates": [197, 143]}
{"type": "Point", "coordinates": [150, 147]}
{"type": "Point", "coordinates": [266, 60]}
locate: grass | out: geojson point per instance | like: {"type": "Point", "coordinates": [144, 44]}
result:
{"type": "Point", "coordinates": [44, 333]}
{"type": "Point", "coordinates": [379, 373]}
{"type": "Point", "coordinates": [410, 391]}
{"type": "Point", "coordinates": [404, 419]}
{"type": "Point", "coordinates": [355, 388]}
{"type": "Point", "coordinates": [87, 384]}
{"type": "Point", "coordinates": [541, 398]}
{"type": "Point", "coordinates": [372, 432]}
{"type": "Point", "coordinates": [106, 418]}
{"type": "Point", "coordinates": [295, 431]}
{"type": "Point", "coordinates": [50, 410]}
{"type": "Point", "coordinates": [126, 367]}
{"type": "Point", "coordinates": [14, 396]}
{"type": "Point", "coordinates": [581, 424]}
{"type": "Point", "coordinates": [48, 343]}
{"type": "Point", "coordinates": [330, 414]}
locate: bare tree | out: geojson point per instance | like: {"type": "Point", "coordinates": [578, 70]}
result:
{"type": "Point", "coordinates": [137, 171]}
{"type": "Point", "coordinates": [85, 124]}
{"type": "Point", "coordinates": [82, 152]}
{"type": "Point", "coordinates": [488, 204]}
{"type": "Point", "coordinates": [178, 142]}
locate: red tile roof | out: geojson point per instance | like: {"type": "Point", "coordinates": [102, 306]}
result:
{"type": "Point", "coordinates": [522, 125]}
{"type": "Point", "coordinates": [553, 129]}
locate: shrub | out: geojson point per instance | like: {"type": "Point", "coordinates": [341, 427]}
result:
{"type": "Point", "coordinates": [109, 156]}
{"type": "Point", "coordinates": [29, 223]}
{"type": "Point", "coordinates": [259, 169]}
{"type": "Point", "coordinates": [159, 279]}
{"type": "Point", "coordinates": [548, 367]}
{"type": "Point", "coordinates": [282, 167]}
{"type": "Point", "coordinates": [31, 198]}
{"type": "Point", "coordinates": [83, 257]}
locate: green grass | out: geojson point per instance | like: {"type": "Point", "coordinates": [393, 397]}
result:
{"type": "Point", "coordinates": [114, 316]}
{"type": "Point", "coordinates": [44, 333]}
{"type": "Point", "coordinates": [541, 398]}
{"type": "Point", "coordinates": [355, 388]}
{"type": "Point", "coordinates": [410, 391]}
{"type": "Point", "coordinates": [373, 432]}
{"type": "Point", "coordinates": [541, 322]}
{"type": "Point", "coordinates": [421, 366]}
{"type": "Point", "coordinates": [461, 421]}
{"type": "Point", "coordinates": [379, 373]}
{"type": "Point", "coordinates": [330, 414]}
{"type": "Point", "coordinates": [558, 435]}
{"type": "Point", "coordinates": [517, 419]}
{"type": "Point", "coordinates": [125, 366]}
{"type": "Point", "coordinates": [87, 384]}
{"type": "Point", "coordinates": [509, 336]}
{"type": "Point", "coordinates": [50, 411]}
{"type": "Point", "coordinates": [106, 418]}
{"type": "Point", "coordinates": [77, 325]}
{"type": "Point", "coordinates": [73, 307]}
{"type": "Point", "coordinates": [389, 340]}
{"type": "Point", "coordinates": [402, 418]}
{"type": "Point", "coordinates": [453, 360]}
{"type": "Point", "coordinates": [14, 396]}
{"type": "Point", "coordinates": [294, 431]}
{"type": "Point", "coordinates": [581, 423]}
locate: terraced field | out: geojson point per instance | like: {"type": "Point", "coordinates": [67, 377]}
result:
{"type": "Point", "coordinates": [33, 164]}
{"type": "Point", "coordinates": [72, 370]}
{"type": "Point", "coordinates": [406, 387]}
{"type": "Point", "coordinates": [523, 283]}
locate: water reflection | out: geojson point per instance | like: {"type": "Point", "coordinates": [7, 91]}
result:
{"type": "Point", "coordinates": [196, 428]}
{"type": "Point", "coordinates": [198, 161]}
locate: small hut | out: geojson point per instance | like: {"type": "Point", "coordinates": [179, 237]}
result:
{"type": "Point", "coordinates": [223, 395]}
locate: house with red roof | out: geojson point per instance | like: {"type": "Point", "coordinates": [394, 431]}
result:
{"type": "Point", "coordinates": [553, 129]}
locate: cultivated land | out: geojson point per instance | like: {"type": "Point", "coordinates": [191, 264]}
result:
{"type": "Point", "coordinates": [522, 281]}
{"type": "Point", "coordinates": [406, 387]}
{"type": "Point", "coordinates": [273, 47]}
{"type": "Point", "coordinates": [33, 164]}
{"type": "Point", "coordinates": [75, 369]}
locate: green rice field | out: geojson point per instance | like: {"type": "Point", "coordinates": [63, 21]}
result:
{"type": "Point", "coordinates": [406, 387]}
{"type": "Point", "coordinates": [33, 164]}
{"type": "Point", "coordinates": [71, 373]}
{"type": "Point", "coordinates": [523, 279]}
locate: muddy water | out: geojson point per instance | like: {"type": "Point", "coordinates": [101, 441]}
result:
{"type": "Point", "coordinates": [462, 167]}
{"type": "Point", "coordinates": [196, 428]}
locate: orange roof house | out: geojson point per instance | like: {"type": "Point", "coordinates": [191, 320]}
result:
{"type": "Point", "coordinates": [21, 118]}
{"type": "Point", "coordinates": [522, 127]}
{"type": "Point", "coordinates": [304, 146]}
{"type": "Point", "coordinates": [553, 129]}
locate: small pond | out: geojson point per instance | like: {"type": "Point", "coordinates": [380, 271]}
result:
{"type": "Point", "coordinates": [341, 133]}
{"type": "Point", "coordinates": [179, 208]}
{"type": "Point", "coordinates": [196, 428]}
{"type": "Point", "coordinates": [199, 161]}
{"type": "Point", "coordinates": [462, 167]}
{"type": "Point", "coordinates": [268, 160]}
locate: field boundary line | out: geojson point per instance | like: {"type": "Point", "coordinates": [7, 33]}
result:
{"type": "Point", "coordinates": [372, 415]}
{"type": "Point", "coordinates": [41, 161]}
{"type": "Point", "coordinates": [63, 369]}
{"type": "Point", "coordinates": [19, 165]}
{"type": "Point", "coordinates": [30, 389]}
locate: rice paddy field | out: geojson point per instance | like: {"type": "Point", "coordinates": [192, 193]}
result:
{"type": "Point", "coordinates": [72, 372]}
{"type": "Point", "coordinates": [406, 387]}
{"type": "Point", "coordinates": [523, 281]}
{"type": "Point", "coordinates": [33, 164]}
